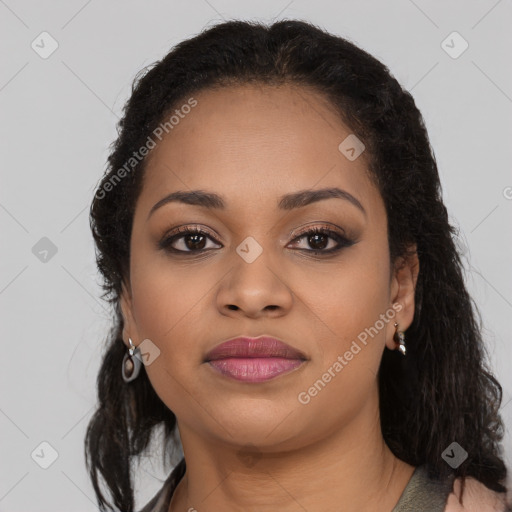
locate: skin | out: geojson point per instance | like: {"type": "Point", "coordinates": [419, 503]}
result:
{"type": "Point", "coordinates": [253, 144]}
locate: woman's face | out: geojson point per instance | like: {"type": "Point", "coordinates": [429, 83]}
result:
{"type": "Point", "coordinates": [256, 275]}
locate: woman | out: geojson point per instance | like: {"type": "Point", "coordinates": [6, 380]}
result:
{"type": "Point", "coordinates": [290, 304]}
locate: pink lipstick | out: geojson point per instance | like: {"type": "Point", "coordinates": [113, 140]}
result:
{"type": "Point", "coordinates": [254, 359]}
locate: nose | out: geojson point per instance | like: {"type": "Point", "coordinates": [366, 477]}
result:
{"type": "Point", "coordinates": [254, 290]}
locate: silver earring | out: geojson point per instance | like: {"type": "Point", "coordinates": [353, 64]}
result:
{"type": "Point", "coordinates": [401, 340]}
{"type": "Point", "coordinates": [132, 362]}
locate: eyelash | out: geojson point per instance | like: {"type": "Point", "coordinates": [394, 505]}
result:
{"type": "Point", "coordinates": [341, 240]}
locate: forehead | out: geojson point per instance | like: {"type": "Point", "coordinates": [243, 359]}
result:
{"type": "Point", "coordinates": [254, 142]}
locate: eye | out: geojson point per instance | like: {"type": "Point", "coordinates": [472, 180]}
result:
{"type": "Point", "coordinates": [194, 240]}
{"type": "Point", "coordinates": [318, 239]}
{"type": "Point", "coordinates": [191, 239]}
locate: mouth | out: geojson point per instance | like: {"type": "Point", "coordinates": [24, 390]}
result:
{"type": "Point", "coordinates": [254, 359]}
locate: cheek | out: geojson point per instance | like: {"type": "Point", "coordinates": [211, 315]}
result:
{"type": "Point", "coordinates": [348, 306]}
{"type": "Point", "coordinates": [353, 294]}
{"type": "Point", "coordinates": [169, 314]}
{"type": "Point", "coordinates": [349, 342]}
{"type": "Point", "coordinates": [164, 313]}
{"type": "Point", "coordinates": [166, 295]}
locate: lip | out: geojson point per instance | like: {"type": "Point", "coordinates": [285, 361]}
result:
{"type": "Point", "coordinates": [254, 359]}
{"type": "Point", "coordinates": [260, 347]}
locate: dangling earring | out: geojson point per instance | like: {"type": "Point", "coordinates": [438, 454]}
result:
{"type": "Point", "coordinates": [131, 365]}
{"type": "Point", "coordinates": [401, 340]}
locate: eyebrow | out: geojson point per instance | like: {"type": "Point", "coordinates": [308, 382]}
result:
{"type": "Point", "coordinates": [287, 202]}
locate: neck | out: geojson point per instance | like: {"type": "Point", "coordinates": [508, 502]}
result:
{"type": "Point", "coordinates": [351, 466]}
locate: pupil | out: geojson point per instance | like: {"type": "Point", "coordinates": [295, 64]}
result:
{"type": "Point", "coordinates": [316, 236]}
{"type": "Point", "coordinates": [194, 243]}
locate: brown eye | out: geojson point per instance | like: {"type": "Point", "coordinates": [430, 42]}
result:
{"type": "Point", "coordinates": [318, 240]}
{"type": "Point", "coordinates": [321, 241]}
{"type": "Point", "coordinates": [190, 239]}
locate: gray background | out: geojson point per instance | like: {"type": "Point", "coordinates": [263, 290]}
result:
{"type": "Point", "coordinates": [58, 118]}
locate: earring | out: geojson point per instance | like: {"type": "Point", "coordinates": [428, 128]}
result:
{"type": "Point", "coordinates": [131, 365]}
{"type": "Point", "coordinates": [401, 340]}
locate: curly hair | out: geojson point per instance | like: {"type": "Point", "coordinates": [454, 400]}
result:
{"type": "Point", "coordinates": [443, 391]}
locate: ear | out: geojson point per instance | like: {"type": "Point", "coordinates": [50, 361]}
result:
{"type": "Point", "coordinates": [129, 324]}
{"type": "Point", "coordinates": [402, 288]}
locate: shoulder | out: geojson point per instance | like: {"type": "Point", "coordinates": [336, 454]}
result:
{"type": "Point", "coordinates": [476, 498]}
